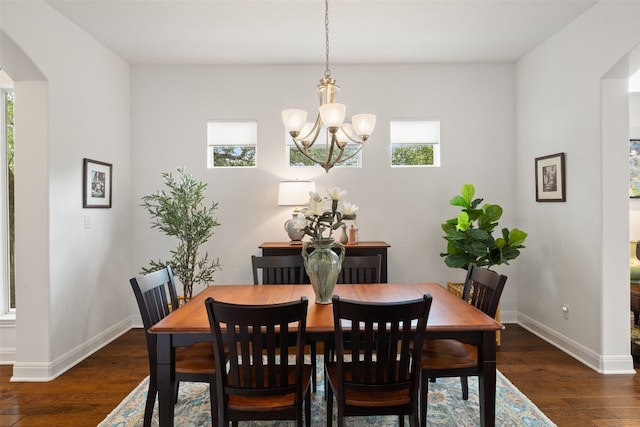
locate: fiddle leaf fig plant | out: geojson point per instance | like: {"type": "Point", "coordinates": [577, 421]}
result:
{"type": "Point", "coordinates": [180, 212]}
{"type": "Point", "coordinates": [470, 238]}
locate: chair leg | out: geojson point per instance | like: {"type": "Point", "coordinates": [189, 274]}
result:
{"type": "Point", "coordinates": [314, 378]}
{"type": "Point", "coordinates": [175, 392]}
{"type": "Point", "coordinates": [212, 400]}
{"type": "Point", "coordinates": [465, 388]}
{"type": "Point", "coordinates": [328, 395]}
{"type": "Point", "coordinates": [424, 393]}
{"type": "Point", "coordinates": [307, 409]}
{"type": "Point", "coordinates": [400, 420]}
{"type": "Point", "coordinates": [151, 400]}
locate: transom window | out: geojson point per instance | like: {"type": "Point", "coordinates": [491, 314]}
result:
{"type": "Point", "coordinates": [415, 143]}
{"type": "Point", "coordinates": [231, 143]}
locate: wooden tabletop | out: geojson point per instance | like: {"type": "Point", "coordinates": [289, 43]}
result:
{"type": "Point", "coordinates": [448, 313]}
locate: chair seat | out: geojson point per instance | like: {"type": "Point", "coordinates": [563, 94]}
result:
{"type": "Point", "coordinates": [448, 354]}
{"type": "Point", "coordinates": [369, 398]}
{"type": "Point", "coordinates": [196, 359]}
{"type": "Point", "coordinates": [271, 403]}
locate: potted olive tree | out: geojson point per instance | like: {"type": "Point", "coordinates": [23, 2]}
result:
{"type": "Point", "coordinates": [470, 237]}
{"type": "Point", "coordinates": [180, 212]}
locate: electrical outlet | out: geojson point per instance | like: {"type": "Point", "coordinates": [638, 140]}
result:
{"type": "Point", "coordinates": [565, 311]}
{"type": "Point", "coordinates": [87, 221]}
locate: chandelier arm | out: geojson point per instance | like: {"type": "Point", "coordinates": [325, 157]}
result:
{"type": "Point", "coordinates": [303, 151]}
{"type": "Point", "coordinates": [356, 141]}
{"type": "Point", "coordinates": [315, 131]}
{"type": "Point", "coordinates": [355, 153]}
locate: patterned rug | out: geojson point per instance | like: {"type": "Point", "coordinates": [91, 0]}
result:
{"type": "Point", "coordinates": [445, 407]}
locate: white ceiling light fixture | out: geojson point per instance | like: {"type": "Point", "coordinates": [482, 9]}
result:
{"type": "Point", "coordinates": [330, 117]}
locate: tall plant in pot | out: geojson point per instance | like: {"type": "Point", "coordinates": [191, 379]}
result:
{"type": "Point", "coordinates": [180, 212]}
{"type": "Point", "coordinates": [470, 237]}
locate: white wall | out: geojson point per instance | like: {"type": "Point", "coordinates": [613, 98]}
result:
{"type": "Point", "coordinates": [70, 281]}
{"type": "Point", "coordinates": [578, 249]}
{"type": "Point", "coordinates": [404, 207]}
{"type": "Point", "coordinates": [71, 293]}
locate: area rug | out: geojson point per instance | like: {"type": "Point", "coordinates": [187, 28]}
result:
{"type": "Point", "coordinates": [445, 407]}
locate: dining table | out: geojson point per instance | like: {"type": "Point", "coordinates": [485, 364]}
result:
{"type": "Point", "coordinates": [450, 317]}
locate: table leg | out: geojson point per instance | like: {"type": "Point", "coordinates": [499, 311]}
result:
{"type": "Point", "coordinates": [166, 367]}
{"type": "Point", "coordinates": [487, 379]}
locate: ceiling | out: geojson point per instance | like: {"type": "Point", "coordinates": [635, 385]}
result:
{"type": "Point", "coordinates": [292, 32]}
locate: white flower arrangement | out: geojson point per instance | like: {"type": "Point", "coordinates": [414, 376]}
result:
{"type": "Point", "coordinates": [320, 216]}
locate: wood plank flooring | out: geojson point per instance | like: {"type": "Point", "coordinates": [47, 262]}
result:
{"type": "Point", "coordinates": [569, 393]}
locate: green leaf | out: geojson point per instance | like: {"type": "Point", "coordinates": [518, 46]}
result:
{"type": "Point", "coordinates": [457, 261]}
{"type": "Point", "coordinates": [468, 191]}
{"type": "Point", "coordinates": [492, 212]}
{"type": "Point", "coordinates": [517, 237]}
{"type": "Point", "coordinates": [459, 201]}
{"type": "Point", "coordinates": [463, 221]}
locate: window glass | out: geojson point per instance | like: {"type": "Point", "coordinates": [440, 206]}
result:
{"type": "Point", "coordinates": [7, 293]}
{"type": "Point", "coordinates": [415, 143]}
{"type": "Point", "coordinates": [320, 150]}
{"type": "Point", "coordinates": [231, 143]}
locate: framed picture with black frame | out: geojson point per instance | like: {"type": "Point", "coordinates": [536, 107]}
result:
{"type": "Point", "coordinates": [634, 168]}
{"type": "Point", "coordinates": [96, 184]}
{"type": "Point", "coordinates": [550, 178]}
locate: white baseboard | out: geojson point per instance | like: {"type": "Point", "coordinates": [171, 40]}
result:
{"type": "Point", "coordinates": [621, 364]}
{"type": "Point", "coordinates": [42, 372]}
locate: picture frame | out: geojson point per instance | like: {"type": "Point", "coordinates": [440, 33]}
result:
{"type": "Point", "coordinates": [634, 168]}
{"type": "Point", "coordinates": [550, 178]}
{"type": "Point", "coordinates": [96, 184]}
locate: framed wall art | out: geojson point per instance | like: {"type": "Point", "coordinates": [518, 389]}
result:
{"type": "Point", "coordinates": [634, 168]}
{"type": "Point", "coordinates": [550, 178]}
{"type": "Point", "coordinates": [96, 184]}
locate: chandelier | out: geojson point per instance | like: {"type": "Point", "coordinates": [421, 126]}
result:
{"type": "Point", "coordinates": [330, 117]}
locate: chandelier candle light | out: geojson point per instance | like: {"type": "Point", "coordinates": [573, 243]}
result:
{"type": "Point", "coordinates": [331, 117]}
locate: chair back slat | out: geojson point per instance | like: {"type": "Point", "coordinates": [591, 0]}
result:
{"type": "Point", "coordinates": [258, 340]}
{"type": "Point", "coordinates": [361, 269]}
{"type": "Point", "coordinates": [381, 342]}
{"type": "Point", "coordinates": [278, 269]}
{"type": "Point", "coordinates": [483, 289]}
{"type": "Point", "coordinates": [151, 293]}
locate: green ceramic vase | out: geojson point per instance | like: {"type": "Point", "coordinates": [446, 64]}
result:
{"type": "Point", "coordinates": [323, 266]}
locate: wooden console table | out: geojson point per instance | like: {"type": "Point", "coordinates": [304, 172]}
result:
{"type": "Point", "coordinates": [359, 249]}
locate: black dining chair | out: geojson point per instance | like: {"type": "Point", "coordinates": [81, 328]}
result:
{"type": "Point", "coordinates": [453, 358]}
{"type": "Point", "coordinates": [278, 269]}
{"type": "Point", "coordinates": [263, 376]}
{"type": "Point", "coordinates": [361, 269]}
{"type": "Point", "coordinates": [377, 368]}
{"type": "Point", "coordinates": [194, 363]}
{"type": "Point", "coordinates": [283, 270]}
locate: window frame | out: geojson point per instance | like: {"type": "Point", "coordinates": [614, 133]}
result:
{"type": "Point", "coordinates": [5, 278]}
{"type": "Point", "coordinates": [434, 143]}
{"type": "Point", "coordinates": [211, 144]}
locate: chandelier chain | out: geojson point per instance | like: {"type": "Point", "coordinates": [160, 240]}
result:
{"type": "Point", "coordinates": [327, 71]}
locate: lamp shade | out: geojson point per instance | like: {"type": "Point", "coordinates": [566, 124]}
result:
{"type": "Point", "coordinates": [295, 193]}
{"type": "Point", "coordinates": [294, 120]}
{"type": "Point", "coordinates": [363, 124]}
{"type": "Point", "coordinates": [332, 114]}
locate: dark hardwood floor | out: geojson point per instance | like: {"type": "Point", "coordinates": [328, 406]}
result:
{"type": "Point", "coordinates": [569, 393]}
